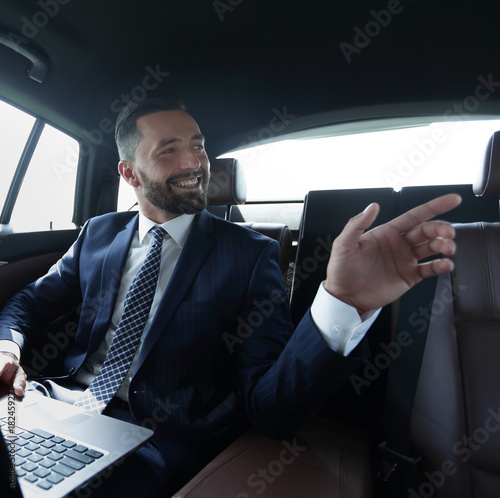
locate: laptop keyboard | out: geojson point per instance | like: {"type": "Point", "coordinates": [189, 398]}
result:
{"type": "Point", "coordinates": [45, 459]}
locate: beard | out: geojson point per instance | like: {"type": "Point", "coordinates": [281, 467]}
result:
{"type": "Point", "coordinates": [162, 195]}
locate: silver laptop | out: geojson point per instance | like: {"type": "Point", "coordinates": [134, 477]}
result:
{"type": "Point", "coordinates": [56, 448]}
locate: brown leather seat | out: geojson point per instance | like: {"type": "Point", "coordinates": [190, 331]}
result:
{"type": "Point", "coordinates": [323, 460]}
{"type": "Point", "coordinates": [456, 414]}
{"type": "Point", "coordinates": [227, 186]}
{"type": "Point", "coordinates": [455, 418]}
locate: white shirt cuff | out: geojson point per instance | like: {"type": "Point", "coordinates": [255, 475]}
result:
{"type": "Point", "coordinates": [7, 346]}
{"type": "Point", "coordinates": [338, 323]}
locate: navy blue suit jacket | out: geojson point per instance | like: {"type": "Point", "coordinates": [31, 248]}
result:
{"type": "Point", "coordinates": [221, 351]}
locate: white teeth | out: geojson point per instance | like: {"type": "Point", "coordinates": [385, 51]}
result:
{"type": "Point", "coordinates": [187, 183]}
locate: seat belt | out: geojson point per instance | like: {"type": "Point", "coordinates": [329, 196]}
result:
{"type": "Point", "coordinates": [402, 380]}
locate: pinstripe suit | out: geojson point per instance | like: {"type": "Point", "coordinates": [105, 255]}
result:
{"type": "Point", "coordinates": [221, 350]}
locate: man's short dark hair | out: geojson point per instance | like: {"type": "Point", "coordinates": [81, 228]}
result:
{"type": "Point", "coordinates": [127, 135]}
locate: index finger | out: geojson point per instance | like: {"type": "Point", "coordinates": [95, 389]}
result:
{"type": "Point", "coordinates": [425, 212]}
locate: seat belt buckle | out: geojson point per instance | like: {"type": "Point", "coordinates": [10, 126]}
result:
{"type": "Point", "coordinates": [391, 459]}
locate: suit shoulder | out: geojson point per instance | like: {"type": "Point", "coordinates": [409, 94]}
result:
{"type": "Point", "coordinates": [112, 219]}
{"type": "Point", "coordinates": [109, 223]}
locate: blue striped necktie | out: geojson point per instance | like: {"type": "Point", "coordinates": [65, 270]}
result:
{"type": "Point", "coordinates": [126, 337]}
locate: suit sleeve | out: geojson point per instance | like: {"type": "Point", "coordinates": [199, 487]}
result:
{"type": "Point", "coordinates": [40, 302]}
{"type": "Point", "coordinates": [285, 375]}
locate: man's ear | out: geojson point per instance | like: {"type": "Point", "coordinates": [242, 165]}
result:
{"type": "Point", "coordinates": [128, 174]}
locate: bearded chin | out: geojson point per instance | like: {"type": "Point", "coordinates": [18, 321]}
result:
{"type": "Point", "coordinates": [163, 197]}
{"type": "Point", "coordinates": [190, 203]}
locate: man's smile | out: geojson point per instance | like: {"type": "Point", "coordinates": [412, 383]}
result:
{"type": "Point", "coordinates": [186, 183]}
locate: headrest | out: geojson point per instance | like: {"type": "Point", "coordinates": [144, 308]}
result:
{"type": "Point", "coordinates": [488, 182]}
{"type": "Point", "coordinates": [227, 183]}
{"type": "Point", "coordinates": [476, 276]}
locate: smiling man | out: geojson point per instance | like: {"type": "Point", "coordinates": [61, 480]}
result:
{"type": "Point", "coordinates": [208, 276]}
{"type": "Point", "coordinates": [168, 168]}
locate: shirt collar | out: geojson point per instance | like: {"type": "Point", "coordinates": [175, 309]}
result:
{"type": "Point", "coordinates": [178, 228]}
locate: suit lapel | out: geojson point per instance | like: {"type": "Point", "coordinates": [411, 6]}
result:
{"type": "Point", "coordinates": [110, 280]}
{"type": "Point", "coordinates": [191, 260]}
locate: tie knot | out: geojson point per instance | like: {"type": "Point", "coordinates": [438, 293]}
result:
{"type": "Point", "coordinates": [158, 233]}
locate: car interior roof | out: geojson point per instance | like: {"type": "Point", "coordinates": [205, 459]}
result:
{"type": "Point", "coordinates": [233, 62]}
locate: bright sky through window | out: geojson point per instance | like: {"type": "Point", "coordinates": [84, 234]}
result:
{"type": "Point", "coordinates": [437, 154]}
{"type": "Point", "coordinates": [47, 193]}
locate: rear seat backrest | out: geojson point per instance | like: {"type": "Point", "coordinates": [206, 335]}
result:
{"type": "Point", "coordinates": [456, 413]}
{"type": "Point", "coordinates": [471, 209]}
{"type": "Point", "coordinates": [453, 419]}
{"type": "Point", "coordinates": [324, 216]}
{"type": "Point", "coordinates": [327, 211]}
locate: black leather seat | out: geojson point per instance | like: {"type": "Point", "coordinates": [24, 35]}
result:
{"type": "Point", "coordinates": [324, 216]}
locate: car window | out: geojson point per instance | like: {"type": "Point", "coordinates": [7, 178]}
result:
{"type": "Point", "coordinates": [437, 153]}
{"type": "Point", "coordinates": [127, 200]}
{"type": "Point", "coordinates": [43, 194]}
{"type": "Point", "coordinates": [15, 127]}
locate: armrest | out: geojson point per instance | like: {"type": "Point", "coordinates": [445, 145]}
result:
{"type": "Point", "coordinates": [324, 459]}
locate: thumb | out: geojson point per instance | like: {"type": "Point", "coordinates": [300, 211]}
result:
{"type": "Point", "coordinates": [357, 225]}
{"type": "Point", "coordinates": [19, 383]}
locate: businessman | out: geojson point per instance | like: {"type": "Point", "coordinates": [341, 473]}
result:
{"type": "Point", "coordinates": [213, 276]}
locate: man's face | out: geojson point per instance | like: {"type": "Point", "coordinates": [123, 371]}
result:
{"type": "Point", "coordinates": [171, 165]}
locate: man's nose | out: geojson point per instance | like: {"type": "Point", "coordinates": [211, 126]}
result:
{"type": "Point", "coordinates": [190, 159]}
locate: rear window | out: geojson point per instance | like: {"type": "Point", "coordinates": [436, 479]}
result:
{"type": "Point", "coordinates": [437, 153]}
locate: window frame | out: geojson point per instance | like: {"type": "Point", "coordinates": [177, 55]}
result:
{"type": "Point", "coordinates": [21, 170]}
